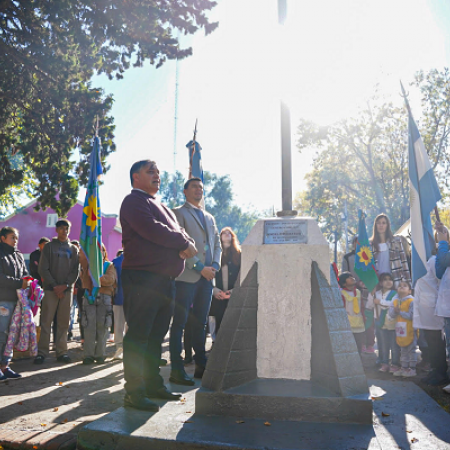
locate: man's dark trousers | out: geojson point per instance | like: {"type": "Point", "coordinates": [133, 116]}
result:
{"type": "Point", "coordinates": [148, 307]}
{"type": "Point", "coordinates": [198, 295]}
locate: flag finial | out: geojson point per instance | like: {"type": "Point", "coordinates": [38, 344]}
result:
{"type": "Point", "coordinates": [404, 95]}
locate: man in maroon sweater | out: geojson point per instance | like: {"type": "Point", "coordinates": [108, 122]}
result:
{"type": "Point", "coordinates": [155, 248]}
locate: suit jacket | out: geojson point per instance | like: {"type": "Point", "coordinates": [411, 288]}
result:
{"type": "Point", "coordinates": [187, 218]}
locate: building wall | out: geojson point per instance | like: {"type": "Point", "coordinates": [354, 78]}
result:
{"type": "Point", "coordinates": [32, 225]}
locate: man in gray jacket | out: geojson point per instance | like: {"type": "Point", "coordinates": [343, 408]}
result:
{"type": "Point", "coordinates": [194, 285]}
{"type": "Point", "coordinates": [58, 268]}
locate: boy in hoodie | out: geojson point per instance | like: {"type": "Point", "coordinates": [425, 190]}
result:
{"type": "Point", "coordinates": [58, 268]}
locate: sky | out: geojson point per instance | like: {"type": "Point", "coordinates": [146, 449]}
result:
{"type": "Point", "coordinates": [324, 62]}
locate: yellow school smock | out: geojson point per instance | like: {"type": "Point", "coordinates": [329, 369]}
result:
{"type": "Point", "coordinates": [405, 338]}
{"type": "Point", "coordinates": [353, 308]}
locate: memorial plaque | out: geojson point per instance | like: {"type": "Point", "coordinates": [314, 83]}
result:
{"type": "Point", "coordinates": [285, 232]}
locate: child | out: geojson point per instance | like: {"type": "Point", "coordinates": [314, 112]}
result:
{"type": "Point", "coordinates": [402, 309]}
{"type": "Point", "coordinates": [352, 303]}
{"type": "Point", "coordinates": [385, 325]}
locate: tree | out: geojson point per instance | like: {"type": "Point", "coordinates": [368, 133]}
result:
{"type": "Point", "coordinates": [49, 51]}
{"type": "Point", "coordinates": [218, 196]}
{"type": "Point", "coordinates": [18, 194]}
{"type": "Point", "coordinates": [364, 160]}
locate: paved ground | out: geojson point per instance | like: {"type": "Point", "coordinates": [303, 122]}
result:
{"type": "Point", "coordinates": [51, 403]}
{"type": "Point", "coordinates": [57, 399]}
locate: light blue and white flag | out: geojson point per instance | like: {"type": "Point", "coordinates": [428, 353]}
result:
{"type": "Point", "coordinates": [424, 195]}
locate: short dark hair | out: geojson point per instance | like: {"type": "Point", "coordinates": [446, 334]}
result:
{"type": "Point", "coordinates": [188, 182]}
{"type": "Point", "coordinates": [63, 223]}
{"type": "Point", "coordinates": [385, 275]}
{"type": "Point", "coordinates": [137, 166]}
{"type": "Point", "coordinates": [407, 282]}
{"type": "Point", "coordinates": [8, 230]}
{"type": "Point", "coordinates": [343, 277]}
{"type": "Point", "coordinates": [44, 239]}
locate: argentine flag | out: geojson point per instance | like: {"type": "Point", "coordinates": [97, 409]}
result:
{"type": "Point", "coordinates": [424, 195]}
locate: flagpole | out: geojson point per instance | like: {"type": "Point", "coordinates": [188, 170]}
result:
{"type": "Point", "coordinates": [405, 98]}
{"type": "Point", "coordinates": [193, 149]}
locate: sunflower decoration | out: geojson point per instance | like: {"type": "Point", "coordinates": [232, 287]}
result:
{"type": "Point", "coordinates": [92, 213]}
{"type": "Point", "coordinates": [365, 255]}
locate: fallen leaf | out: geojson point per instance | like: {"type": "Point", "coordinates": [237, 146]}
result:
{"type": "Point", "coordinates": [55, 409]}
{"type": "Point", "coordinates": [183, 400]}
{"type": "Point", "coordinates": [35, 446]}
{"type": "Point", "coordinates": [385, 414]}
{"type": "Point", "coordinates": [20, 403]}
{"type": "Point", "coordinates": [414, 440]}
{"type": "Point", "coordinates": [65, 421]}
{"type": "Point", "coordinates": [376, 398]}
{"type": "Point", "coordinates": [408, 431]}
{"type": "Point", "coordinates": [267, 424]}
{"type": "Point", "coordinates": [240, 421]}
{"type": "Point", "coordinates": [188, 412]}
{"type": "Point", "coordinates": [188, 421]}
{"type": "Point", "coordinates": [60, 383]}
{"type": "Point", "coordinates": [43, 424]}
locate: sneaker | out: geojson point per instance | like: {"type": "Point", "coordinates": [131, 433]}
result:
{"type": "Point", "coordinates": [410, 372]}
{"type": "Point", "coordinates": [2, 377]}
{"type": "Point", "coordinates": [399, 373]}
{"type": "Point", "coordinates": [119, 354]}
{"type": "Point", "coordinates": [88, 361]}
{"type": "Point", "coordinates": [369, 349]}
{"type": "Point", "coordinates": [10, 374]}
{"type": "Point", "coordinates": [394, 369]}
{"type": "Point", "coordinates": [384, 368]}
{"type": "Point", "coordinates": [100, 360]}
{"type": "Point", "coordinates": [445, 389]}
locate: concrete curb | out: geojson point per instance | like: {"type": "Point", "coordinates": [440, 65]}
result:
{"type": "Point", "coordinates": [36, 440]}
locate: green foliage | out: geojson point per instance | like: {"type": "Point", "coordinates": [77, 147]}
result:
{"type": "Point", "coordinates": [218, 196]}
{"type": "Point", "coordinates": [18, 194]}
{"type": "Point", "coordinates": [49, 51]}
{"type": "Point", "coordinates": [364, 160]}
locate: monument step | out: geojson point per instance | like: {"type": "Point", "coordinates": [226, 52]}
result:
{"type": "Point", "coordinates": [283, 399]}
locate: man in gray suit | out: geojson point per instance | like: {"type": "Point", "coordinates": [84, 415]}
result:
{"type": "Point", "coordinates": [194, 285]}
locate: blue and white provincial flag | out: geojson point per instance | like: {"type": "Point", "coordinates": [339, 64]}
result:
{"type": "Point", "coordinates": [424, 195]}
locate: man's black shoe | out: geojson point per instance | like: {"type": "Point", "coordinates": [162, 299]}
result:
{"type": "Point", "coordinates": [436, 379]}
{"type": "Point", "coordinates": [199, 371]}
{"type": "Point", "coordinates": [143, 403]}
{"type": "Point", "coordinates": [181, 377]}
{"type": "Point", "coordinates": [162, 393]}
{"type": "Point", "coordinates": [64, 359]}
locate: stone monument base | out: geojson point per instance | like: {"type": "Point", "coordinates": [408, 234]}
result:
{"type": "Point", "coordinates": [179, 427]}
{"type": "Point", "coordinates": [281, 399]}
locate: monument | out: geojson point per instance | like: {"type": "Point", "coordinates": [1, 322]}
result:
{"type": "Point", "coordinates": [285, 349]}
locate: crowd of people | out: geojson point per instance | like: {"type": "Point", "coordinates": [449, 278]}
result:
{"type": "Point", "coordinates": [174, 264]}
{"type": "Point", "coordinates": [397, 317]}
{"type": "Point", "coordinates": [177, 271]}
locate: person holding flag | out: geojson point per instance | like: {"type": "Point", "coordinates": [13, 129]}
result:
{"type": "Point", "coordinates": [389, 251]}
{"type": "Point", "coordinates": [98, 275]}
